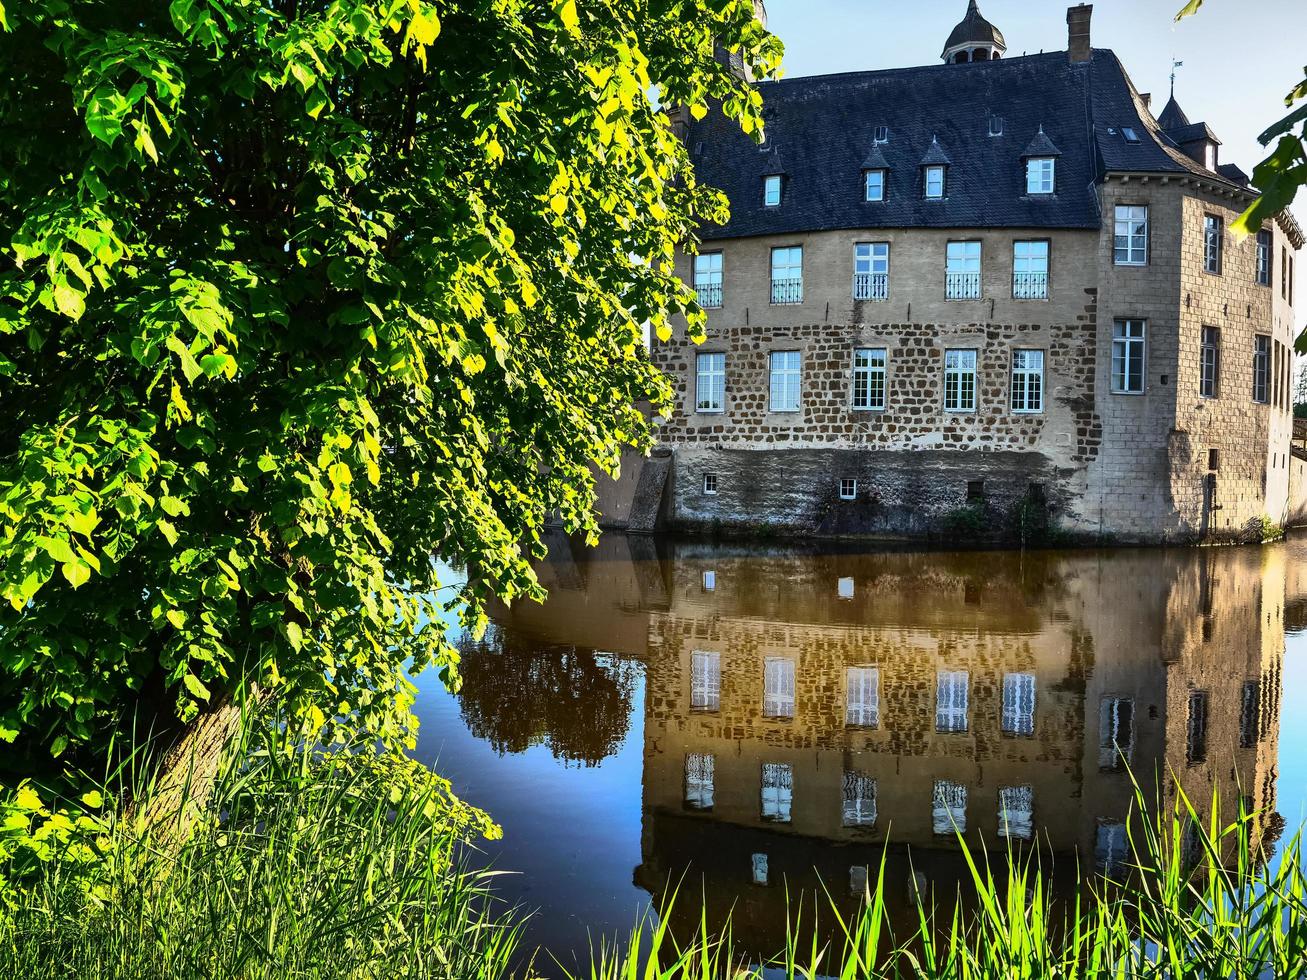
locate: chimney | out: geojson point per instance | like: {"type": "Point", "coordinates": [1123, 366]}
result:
{"type": "Point", "coordinates": [1077, 22]}
{"type": "Point", "coordinates": [1147, 99]}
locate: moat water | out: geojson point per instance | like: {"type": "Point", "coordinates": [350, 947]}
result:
{"type": "Point", "coordinates": [743, 721]}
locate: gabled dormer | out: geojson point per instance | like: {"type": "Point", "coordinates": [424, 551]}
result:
{"type": "Point", "coordinates": [934, 172]}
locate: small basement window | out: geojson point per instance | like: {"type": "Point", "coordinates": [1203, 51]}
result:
{"type": "Point", "coordinates": [710, 484]}
{"type": "Point", "coordinates": [975, 491]}
{"type": "Point", "coordinates": [848, 489]}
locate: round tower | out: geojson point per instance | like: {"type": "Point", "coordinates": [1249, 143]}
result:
{"type": "Point", "coordinates": [974, 39]}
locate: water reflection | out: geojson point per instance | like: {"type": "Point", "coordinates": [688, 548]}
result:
{"type": "Point", "coordinates": [801, 710]}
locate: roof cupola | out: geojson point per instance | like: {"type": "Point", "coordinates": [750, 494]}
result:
{"type": "Point", "coordinates": [974, 39]}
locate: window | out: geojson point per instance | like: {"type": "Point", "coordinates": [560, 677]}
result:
{"type": "Point", "coordinates": [759, 863]}
{"type": "Point", "coordinates": [844, 588]}
{"type": "Point", "coordinates": [1263, 258]}
{"type": "Point", "coordinates": [708, 280]}
{"type": "Point", "coordinates": [1039, 175]}
{"type": "Point", "coordinates": [705, 681]}
{"type": "Point", "coordinates": [786, 372]}
{"type": "Point", "coordinates": [710, 383]}
{"type": "Point", "coordinates": [1130, 135]}
{"type": "Point", "coordinates": [1261, 368]}
{"type": "Point", "coordinates": [699, 781]}
{"type": "Point", "coordinates": [862, 701]}
{"type": "Point", "coordinates": [1019, 704]}
{"type": "Point", "coordinates": [1248, 713]}
{"type": "Point", "coordinates": [710, 581]}
{"type": "Point", "coordinates": [959, 381]}
{"type": "Point", "coordinates": [869, 374]}
{"type": "Point", "coordinates": [1131, 240]}
{"type": "Point", "coordinates": [995, 125]}
{"type": "Point", "coordinates": [1213, 460]}
{"type": "Point", "coordinates": [875, 185]}
{"type": "Point", "coordinates": [951, 700]}
{"type": "Point", "coordinates": [859, 800]}
{"type": "Point", "coordinates": [1030, 270]}
{"type": "Point", "coordinates": [710, 484]}
{"type": "Point", "coordinates": [777, 791]}
{"type": "Point", "coordinates": [1128, 356]}
{"type": "Point", "coordinates": [771, 191]}
{"type": "Point", "coordinates": [934, 182]}
{"type": "Point", "coordinates": [858, 881]}
{"type": "Point", "coordinates": [787, 275]}
{"type": "Point", "coordinates": [1016, 811]}
{"type": "Point", "coordinates": [848, 488]}
{"type": "Point", "coordinates": [778, 687]}
{"type": "Point", "coordinates": [1209, 380]}
{"type": "Point", "coordinates": [1027, 381]}
{"type": "Point", "coordinates": [975, 491]}
{"type": "Point", "coordinates": [962, 270]}
{"type": "Point", "coordinates": [1110, 846]}
{"type": "Point", "coordinates": [881, 135]}
{"type": "Point", "coordinates": [1284, 271]}
{"type": "Point", "coordinates": [1290, 280]}
{"type": "Point", "coordinates": [871, 271]}
{"type": "Point", "coordinates": [1195, 748]}
{"type": "Point", "coordinates": [949, 807]}
{"type": "Point", "coordinates": [1116, 733]}
{"type": "Point", "coordinates": [1213, 235]}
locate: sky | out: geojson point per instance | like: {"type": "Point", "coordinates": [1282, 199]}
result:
{"type": "Point", "coordinates": [1241, 57]}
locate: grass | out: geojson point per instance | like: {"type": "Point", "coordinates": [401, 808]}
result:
{"type": "Point", "coordinates": [346, 865]}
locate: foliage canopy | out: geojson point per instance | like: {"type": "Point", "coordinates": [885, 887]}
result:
{"type": "Point", "coordinates": [298, 294]}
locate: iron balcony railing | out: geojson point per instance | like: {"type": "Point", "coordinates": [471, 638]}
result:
{"type": "Point", "coordinates": [962, 285]}
{"type": "Point", "coordinates": [1030, 285]}
{"type": "Point", "coordinates": [871, 286]}
{"type": "Point", "coordinates": [787, 292]}
{"type": "Point", "coordinates": [710, 295]}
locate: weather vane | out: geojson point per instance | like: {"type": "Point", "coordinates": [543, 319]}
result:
{"type": "Point", "coordinates": [1174, 65]}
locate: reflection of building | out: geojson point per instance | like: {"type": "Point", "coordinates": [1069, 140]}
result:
{"type": "Point", "coordinates": [802, 710]}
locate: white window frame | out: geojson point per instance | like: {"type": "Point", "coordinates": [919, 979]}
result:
{"type": "Point", "coordinates": [1019, 701]}
{"type": "Point", "coordinates": [1262, 368]}
{"type": "Point", "coordinates": [1111, 748]}
{"type": "Point", "coordinates": [952, 701]}
{"type": "Point", "coordinates": [776, 793]}
{"type": "Point", "coordinates": [708, 268]}
{"type": "Point", "coordinates": [1027, 390]}
{"type": "Point", "coordinates": [848, 488]}
{"type": "Point", "coordinates": [710, 383]}
{"type": "Point", "coordinates": [1265, 251]}
{"type": "Point", "coordinates": [1040, 175]}
{"type": "Point", "coordinates": [710, 484]}
{"type": "Point", "coordinates": [960, 380]}
{"type": "Point", "coordinates": [705, 680]}
{"type": "Point", "coordinates": [962, 270]}
{"type": "Point", "coordinates": [870, 388]}
{"type": "Point", "coordinates": [771, 191]}
{"type": "Point", "coordinates": [858, 799]}
{"type": "Point", "coordinates": [871, 271]}
{"type": "Point", "coordinates": [1110, 845]}
{"type": "Point", "coordinates": [1130, 235]}
{"type": "Point", "coordinates": [844, 587]}
{"type": "Point", "coordinates": [862, 697]}
{"type": "Point", "coordinates": [700, 772]}
{"type": "Point", "coordinates": [778, 685]}
{"type": "Point", "coordinates": [1129, 351]}
{"type": "Point", "coordinates": [949, 808]}
{"type": "Point", "coordinates": [787, 275]}
{"type": "Point", "coordinates": [935, 182]}
{"type": "Point", "coordinates": [710, 580]}
{"type": "Point", "coordinates": [1209, 362]}
{"type": "Point", "coordinates": [1213, 244]}
{"type": "Point", "coordinates": [786, 381]}
{"type": "Point", "coordinates": [1030, 268]}
{"type": "Point", "coordinates": [1016, 812]}
{"type": "Point", "coordinates": [873, 185]}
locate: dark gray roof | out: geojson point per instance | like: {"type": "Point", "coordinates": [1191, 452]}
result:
{"type": "Point", "coordinates": [1192, 133]}
{"type": "Point", "coordinates": [935, 155]}
{"type": "Point", "coordinates": [974, 29]}
{"type": "Point", "coordinates": [875, 159]}
{"type": "Point", "coordinates": [824, 126]}
{"type": "Point", "coordinates": [772, 163]}
{"type": "Point", "coordinates": [1172, 116]}
{"type": "Point", "coordinates": [1041, 146]}
{"type": "Point", "coordinates": [1234, 174]}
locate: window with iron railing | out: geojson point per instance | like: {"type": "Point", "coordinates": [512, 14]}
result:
{"type": "Point", "coordinates": [708, 279]}
{"type": "Point", "coordinates": [859, 799]}
{"type": "Point", "coordinates": [1030, 270]}
{"type": "Point", "coordinates": [962, 270]}
{"type": "Point", "coordinates": [787, 276]}
{"type": "Point", "coordinates": [871, 271]}
{"type": "Point", "coordinates": [777, 791]}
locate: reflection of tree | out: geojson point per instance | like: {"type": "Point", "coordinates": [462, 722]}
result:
{"type": "Point", "coordinates": [517, 693]}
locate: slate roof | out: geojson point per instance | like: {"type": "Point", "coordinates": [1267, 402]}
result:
{"type": "Point", "coordinates": [1191, 133]}
{"type": "Point", "coordinates": [1172, 116]}
{"type": "Point", "coordinates": [1041, 146]}
{"type": "Point", "coordinates": [823, 128]}
{"type": "Point", "coordinates": [974, 29]}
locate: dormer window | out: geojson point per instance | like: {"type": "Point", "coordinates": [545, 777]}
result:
{"type": "Point", "coordinates": [934, 182]}
{"type": "Point", "coordinates": [771, 190]}
{"type": "Point", "coordinates": [881, 135]}
{"type": "Point", "coordinates": [995, 125]}
{"type": "Point", "coordinates": [874, 185]}
{"type": "Point", "coordinates": [1039, 175]}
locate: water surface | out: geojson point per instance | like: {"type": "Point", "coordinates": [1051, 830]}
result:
{"type": "Point", "coordinates": [741, 721]}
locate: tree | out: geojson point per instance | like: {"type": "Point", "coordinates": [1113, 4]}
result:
{"type": "Point", "coordinates": [299, 294]}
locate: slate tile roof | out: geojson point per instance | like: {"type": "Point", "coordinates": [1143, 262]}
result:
{"type": "Point", "coordinates": [823, 128]}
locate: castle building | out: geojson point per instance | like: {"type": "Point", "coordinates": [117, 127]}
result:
{"type": "Point", "coordinates": [974, 290]}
